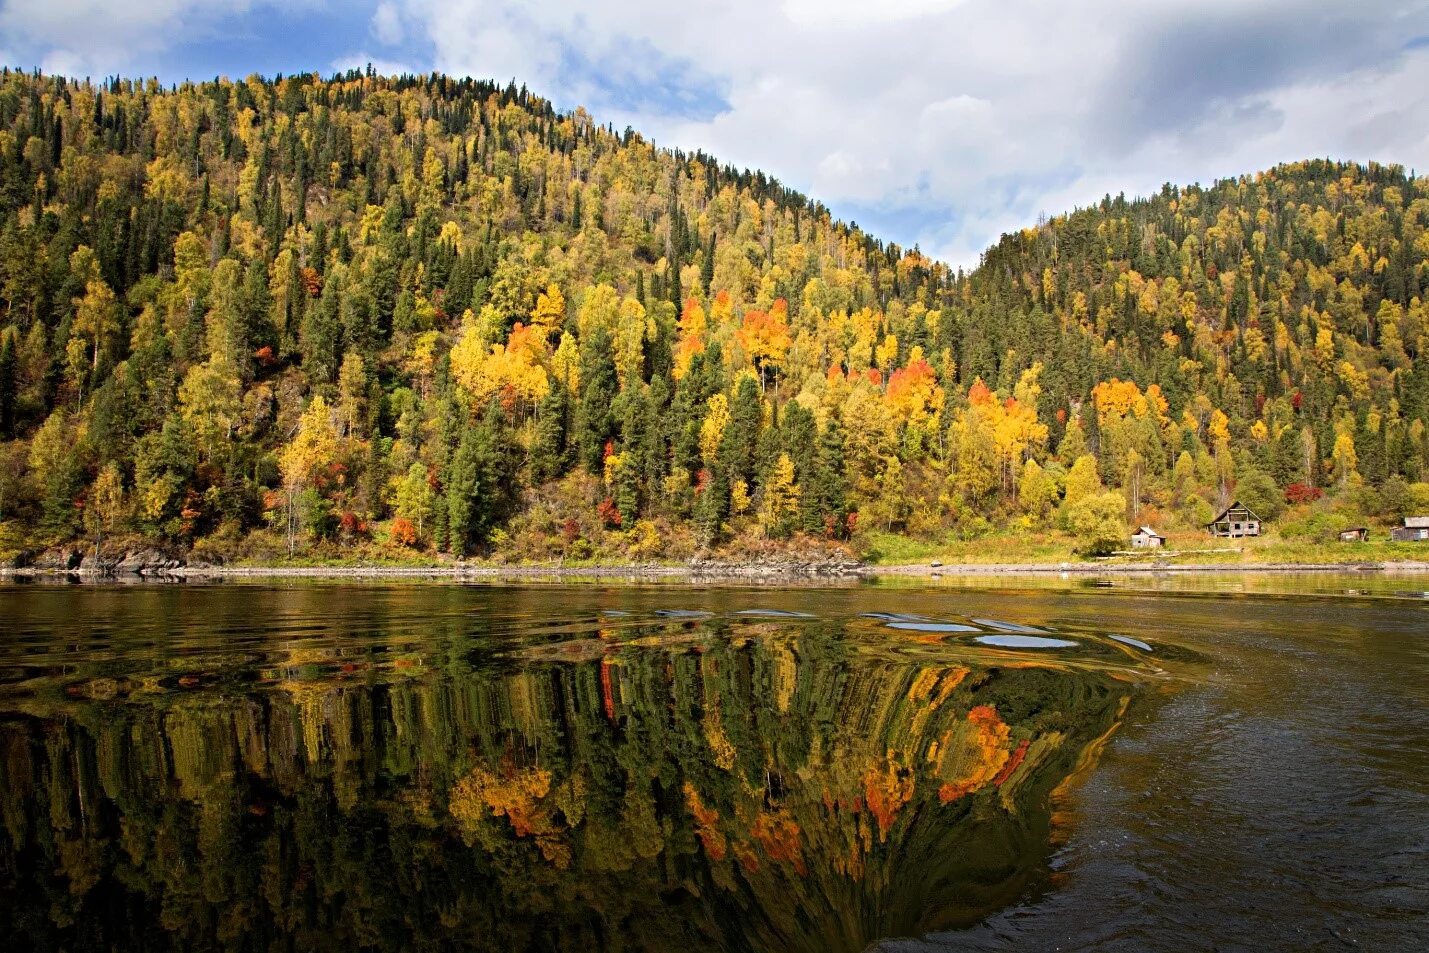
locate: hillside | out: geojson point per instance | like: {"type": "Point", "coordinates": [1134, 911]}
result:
{"type": "Point", "coordinates": [400, 317]}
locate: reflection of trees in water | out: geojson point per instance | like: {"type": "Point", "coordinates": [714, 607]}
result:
{"type": "Point", "coordinates": [775, 792]}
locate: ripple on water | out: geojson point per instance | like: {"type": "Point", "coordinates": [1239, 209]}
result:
{"type": "Point", "coordinates": [1010, 626]}
{"type": "Point", "coordinates": [1025, 642]}
{"type": "Point", "coordinates": [933, 627]}
{"type": "Point", "coordinates": [775, 614]}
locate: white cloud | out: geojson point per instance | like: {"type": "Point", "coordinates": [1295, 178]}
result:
{"type": "Point", "coordinates": [87, 35]}
{"type": "Point", "coordinates": [387, 23]}
{"type": "Point", "coordinates": [99, 37]}
{"type": "Point", "coordinates": [979, 114]}
{"type": "Point", "coordinates": [65, 63]}
{"type": "Point", "coordinates": [819, 13]}
{"type": "Point", "coordinates": [79, 36]}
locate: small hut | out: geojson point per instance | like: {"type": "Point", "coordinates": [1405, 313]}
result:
{"type": "Point", "coordinates": [1147, 538]}
{"type": "Point", "coordinates": [1414, 530]}
{"type": "Point", "coordinates": [1359, 534]}
{"type": "Point", "coordinates": [1235, 521]}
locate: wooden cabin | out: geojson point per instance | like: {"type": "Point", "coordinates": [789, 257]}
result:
{"type": "Point", "coordinates": [1147, 538]}
{"type": "Point", "coordinates": [1235, 521]}
{"type": "Point", "coordinates": [1359, 534]}
{"type": "Point", "coordinates": [1414, 530]}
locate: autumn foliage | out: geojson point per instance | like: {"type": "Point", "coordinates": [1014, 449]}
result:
{"type": "Point", "coordinates": [500, 298]}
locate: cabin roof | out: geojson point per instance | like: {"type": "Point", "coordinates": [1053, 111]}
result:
{"type": "Point", "coordinates": [1148, 531]}
{"type": "Point", "coordinates": [1416, 522]}
{"type": "Point", "coordinates": [1235, 505]}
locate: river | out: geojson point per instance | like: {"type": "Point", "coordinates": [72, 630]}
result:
{"type": "Point", "coordinates": [1220, 763]}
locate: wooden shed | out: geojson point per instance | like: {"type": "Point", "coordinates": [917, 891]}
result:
{"type": "Point", "coordinates": [1359, 534]}
{"type": "Point", "coordinates": [1147, 538]}
{"type": "Point", "coordinates": [1414, 530]}
{"type": "Point", "coordinates": [1235, 521]}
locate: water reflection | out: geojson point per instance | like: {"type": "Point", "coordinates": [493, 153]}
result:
{"type": "Point", "coordinates": [665, 778]}
{"type": "Point", "coordinates": [1026, 642]}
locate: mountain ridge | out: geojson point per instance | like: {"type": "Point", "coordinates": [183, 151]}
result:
{"type": "Point", "coordinates": [422, 314]}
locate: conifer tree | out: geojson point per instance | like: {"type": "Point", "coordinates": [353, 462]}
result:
{"type": "Point", "coordinates": [9, 385]}
{"type": "Point", "coordinates": [825, 508]}
{"type": "Point", "coordinates": [549, 457]}
{"type": "Point", "coordinates": [598, 389]}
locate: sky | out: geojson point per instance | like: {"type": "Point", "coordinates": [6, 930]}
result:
{"type": "Point", "coordinates": [940, 123]}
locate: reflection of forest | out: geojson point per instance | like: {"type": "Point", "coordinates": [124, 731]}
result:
{"type": "Point", "coordinates": [783, 792]}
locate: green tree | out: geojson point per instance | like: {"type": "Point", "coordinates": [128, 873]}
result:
{"type": "Point", "coordinates": [1097, 522]}
{"type": "Point", "coordinates": [320, 339]}
{"type": "Point", "coordinates": [1346, 459]}
{"type": "Point", "coordinates": [549, 457]}
{"type": "Point", "coordinates": [478, 484]}
{"type": "Point", "coordinates": [303, 463]}
{"type": "Point", "coordinates": [1036, 491]}
{"type": "Point", "coordinates": [106, 505]}
{"type": "Point", "coordinates": [1183, 479]}
{"type": "Point", "coordinates": [210, 402]}
{"type": "Point", "coordinates": [415, 498]}
{"type": "Point", "coordinates": [1082, 480]}
{"type": "Point", "coordinates": [1258, 491]}
{"type": "Point", "coordinates": [9, 382]}
{"type": "Point", "coordinates": [593, 421]}
{"type": "Point", "coordinates": [55, 469]}
{"type": "Point", "coordinates": [164, 464]}
{"type": "Point", "coordinates": [96, 316]}
{"type": "Point", "coordinates": [741, 435]}
{"type": "Point", "coordinates": [780, 503]}
{"type": "Point", "coordinates": [824, 505]}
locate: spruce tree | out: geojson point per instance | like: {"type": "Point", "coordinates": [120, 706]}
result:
{"type": "Point", "coordinates": [320, 339]}
{"type": "Point", "coordinates": [463, 486]}
{"type": "Point", "coordinates": [712, 507]}
{"type": "Point", "coordinates": [549, 458]}
{"type": "Point", "coordinates": [741, 438]}
{"type": "Point", "coordinates": [9, 385]}
{"type": "Point", "coordinates": [707, 266]}
{"type": "Point", "coordinates": [823, 506]}
{"type": "Point", "coordinates": [799, 438]}
{"type": "Point", "coordinates": [479, 482]}
{"type": "Point", "coordinates": [598, 389]}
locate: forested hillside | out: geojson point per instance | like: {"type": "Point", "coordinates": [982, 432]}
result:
{"type": "Point", "coordinates": [417, 315]}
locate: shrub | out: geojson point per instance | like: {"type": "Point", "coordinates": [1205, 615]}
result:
{"type": "Point", "coordinates": [1316, 525]}
{"type": "Point", "coordinates": [351, 525]}
{"type": "Point", "coordinates": [404, 532]}
{"type": "Point", "coordinates": [972, 526]}
{"type": "Point", "coordinates": [609, 513]}
{"type": "Point", "coordinates": [1097, 523]}
{"type": "Point", "coordinates": [643, 541]}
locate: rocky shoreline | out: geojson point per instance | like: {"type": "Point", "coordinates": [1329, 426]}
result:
{"type": "Point", "coordinates": [155, 563]}
{"type": "Point", "coordinates": [74, 560]}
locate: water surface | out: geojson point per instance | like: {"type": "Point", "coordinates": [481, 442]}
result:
{"type": "Point", "coordinates": [413, 765]}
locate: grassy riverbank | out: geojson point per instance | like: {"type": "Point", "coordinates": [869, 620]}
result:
{"type": "Point", "coordinates": [1185, 551]}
